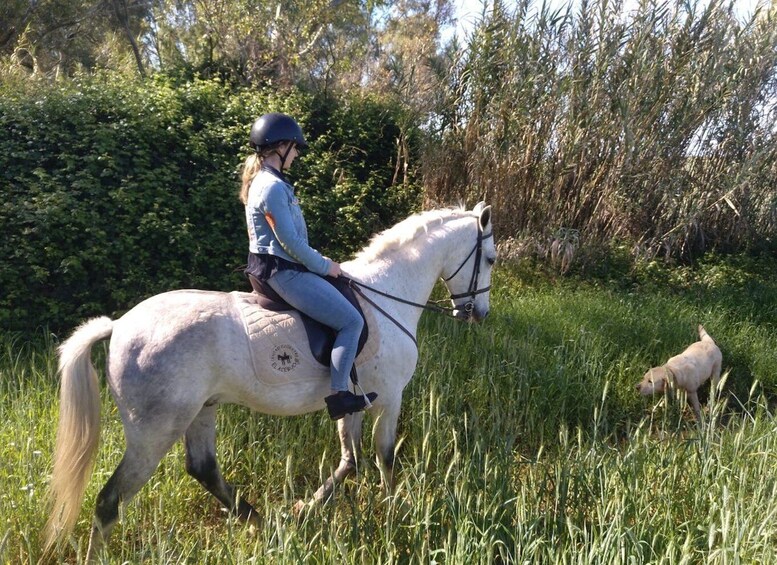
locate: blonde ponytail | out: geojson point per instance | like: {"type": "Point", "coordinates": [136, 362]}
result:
{"type": "Point", "coordinates": [251, 166]}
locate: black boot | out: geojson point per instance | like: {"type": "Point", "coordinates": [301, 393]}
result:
{"type": "Point", "coordinates": [346, 402]}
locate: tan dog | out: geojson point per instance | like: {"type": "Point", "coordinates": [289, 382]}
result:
{"type": "Point", "coordinates": [687, 371]}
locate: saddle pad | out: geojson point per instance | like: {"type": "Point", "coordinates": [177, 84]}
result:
{"type": "Point", "coordinates": [278, 343]}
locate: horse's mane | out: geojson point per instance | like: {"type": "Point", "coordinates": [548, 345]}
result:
{"type": "Point", "coordinates": [407, 231]}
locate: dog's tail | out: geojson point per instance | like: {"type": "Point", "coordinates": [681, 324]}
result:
{"type": "Point", "coordinates": [703, 335]}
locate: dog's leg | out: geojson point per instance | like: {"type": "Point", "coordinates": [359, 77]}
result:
{"type": "Point", "coordinates": [715, 377]}
{"type": "Point", "coordinates": [693, 398]}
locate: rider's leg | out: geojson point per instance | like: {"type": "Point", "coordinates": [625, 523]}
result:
{"type": "Point", "coordinates": [314, 296]}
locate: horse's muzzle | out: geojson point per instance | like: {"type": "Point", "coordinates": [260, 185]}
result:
{"type": "Point", "coordinates": [470, 314]}
{"type": "Point", "coordinates": [478, 316]}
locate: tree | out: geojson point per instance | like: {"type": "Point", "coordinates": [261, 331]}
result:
{"type": "Point", "coordinates": [318, 42]}
{"type": "Point", "coordinates": [407, 51]}
{"type": "Point", "coordinates": [59, 36]}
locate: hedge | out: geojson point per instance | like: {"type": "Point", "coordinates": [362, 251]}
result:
{"type": "Point", "coordinates": [114, 190]}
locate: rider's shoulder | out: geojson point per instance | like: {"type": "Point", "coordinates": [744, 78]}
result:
{"type": "Point", "coordinates": [267, 182]}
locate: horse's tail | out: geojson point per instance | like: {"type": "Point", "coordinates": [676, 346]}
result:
{"type": "Point", "coordinates": [79, 428]}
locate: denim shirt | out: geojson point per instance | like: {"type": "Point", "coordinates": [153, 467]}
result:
{"type": "Point", "coordinates": [275, 222]}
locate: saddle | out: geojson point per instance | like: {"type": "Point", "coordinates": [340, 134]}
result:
{"type": "Point", "coordinates": [320, 337]}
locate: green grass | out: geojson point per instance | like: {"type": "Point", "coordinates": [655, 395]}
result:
{"type": "Point", "coordinates": [522, 440]}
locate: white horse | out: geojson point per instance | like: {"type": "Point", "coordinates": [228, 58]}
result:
{"type": "Point", "coordinates": [176, 356]}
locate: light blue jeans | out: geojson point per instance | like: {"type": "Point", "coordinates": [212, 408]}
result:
{"type": "Point", "coordinates": [313, 295]}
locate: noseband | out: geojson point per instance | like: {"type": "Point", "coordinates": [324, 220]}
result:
{"type": "Point", "coordinates": [434, 306]}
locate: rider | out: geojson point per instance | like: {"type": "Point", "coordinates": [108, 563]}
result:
{"type": "Point", "coordinates": [280, 255]}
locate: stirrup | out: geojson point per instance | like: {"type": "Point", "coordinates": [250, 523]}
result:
{"type": "Point", "coordinates": [346, 402]}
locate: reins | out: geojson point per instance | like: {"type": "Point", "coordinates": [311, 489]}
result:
{"type": "Point", "coordinates": [431, 305]}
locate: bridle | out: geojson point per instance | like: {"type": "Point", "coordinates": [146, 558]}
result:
{"type": "Point", "coordinates": [473, 289]}
{"type": "Point", "coordinates": [434, 305]}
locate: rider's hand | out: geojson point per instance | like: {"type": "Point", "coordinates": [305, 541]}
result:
{"type": "Point", "coordinates": [334, 269]}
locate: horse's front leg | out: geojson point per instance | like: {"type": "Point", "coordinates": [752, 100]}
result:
{"type": "Point", "coordinates": [350, 431]}
{"type": "Point", "coordinates": [385, 437]}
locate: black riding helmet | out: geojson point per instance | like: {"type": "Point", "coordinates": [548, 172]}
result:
{"type": "Point", "coordinates": [274, 128]}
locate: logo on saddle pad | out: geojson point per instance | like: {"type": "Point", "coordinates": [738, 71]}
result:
{"type": "Point", "coordinates": [284, 358]}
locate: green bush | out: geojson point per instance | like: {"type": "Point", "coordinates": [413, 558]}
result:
{"type": "Point", "coordinates": [114, 190]}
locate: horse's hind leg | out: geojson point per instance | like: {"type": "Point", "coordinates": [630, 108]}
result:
{"type": "Point", "coordinates": [140, 460]}
{"type": "Point", "coordinates": [201, 464]}
{"type": "Point", "coordinates": [350, 430]}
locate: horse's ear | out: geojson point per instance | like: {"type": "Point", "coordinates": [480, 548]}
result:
{"type": "Point", "coordinates": [479, 207]}
{"type": "Point", "coordinates": [485, 216]}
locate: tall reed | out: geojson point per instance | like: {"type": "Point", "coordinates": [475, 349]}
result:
{"type": "Point", "coordinates": [652, 125]}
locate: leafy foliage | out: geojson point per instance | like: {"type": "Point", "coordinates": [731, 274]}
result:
{"type": "Point", "coordinates": [113, 190]}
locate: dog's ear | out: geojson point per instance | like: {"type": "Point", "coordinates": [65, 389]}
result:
{"type": "Point", "coordinates": [658, 378]}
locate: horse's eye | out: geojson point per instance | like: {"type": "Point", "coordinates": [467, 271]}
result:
{"type": "Point", "coordinates": [491, 260]}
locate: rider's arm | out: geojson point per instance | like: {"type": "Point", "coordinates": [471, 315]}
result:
{"type": "Point", "coordinates": [278, 213]}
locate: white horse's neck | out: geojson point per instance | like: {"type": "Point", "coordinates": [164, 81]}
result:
{"type": "Point", "coordinates": [411, 270]}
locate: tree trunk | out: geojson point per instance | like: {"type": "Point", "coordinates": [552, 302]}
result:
{"type": "Point", "coordinates": [120, 9]}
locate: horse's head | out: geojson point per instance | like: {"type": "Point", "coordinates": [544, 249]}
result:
{"type": "Point", "coordinates": [468, 274]}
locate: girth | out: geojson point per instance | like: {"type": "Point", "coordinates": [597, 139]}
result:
{"type": "Point", "coordinates": [320, 336]}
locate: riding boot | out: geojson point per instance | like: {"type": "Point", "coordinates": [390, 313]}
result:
{"type": "Point", "coordinates": [346, 402]}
